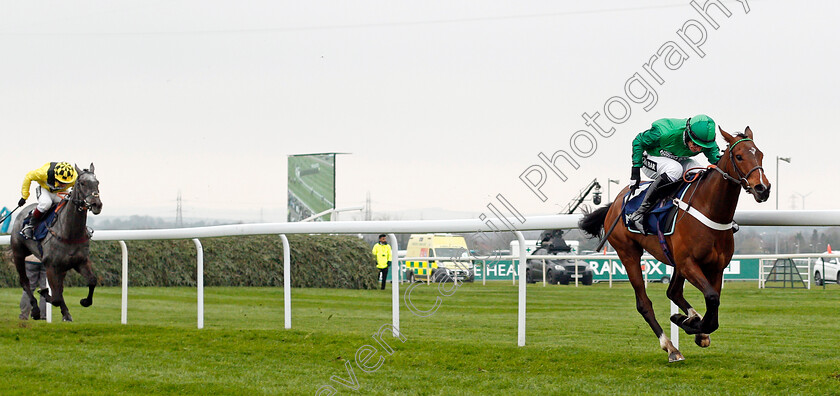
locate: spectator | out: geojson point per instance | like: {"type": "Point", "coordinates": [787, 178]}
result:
{"type": "Point", "coordinates": [37, 274]}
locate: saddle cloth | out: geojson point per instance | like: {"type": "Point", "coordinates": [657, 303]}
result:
{"type": "Point", "coordinates": [663, 215]}
{"type": "Point", "coordinates": [43, 228]}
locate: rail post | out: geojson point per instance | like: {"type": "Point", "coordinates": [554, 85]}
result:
{"type": "Point", "coordinates": [522, 264]}
{"type": "Point", "coordinates": [124, 302]}
{"type": "Point", "coordinates": [287, 283]}
{"type": "Point", "coordinates": [395, 285]}
{"type": "Point", "coordinates": [543, 262]}
{"type": "Point", "coordinates": [199, 280]}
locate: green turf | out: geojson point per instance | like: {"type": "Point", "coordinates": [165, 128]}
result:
{"type": "Point", "coordinates": [587, 340]}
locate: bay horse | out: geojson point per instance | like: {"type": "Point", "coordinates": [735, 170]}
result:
{"type": "Point", "coordinates": [700, 253]}
{"type": "Point", "coordinates": [66, 246]}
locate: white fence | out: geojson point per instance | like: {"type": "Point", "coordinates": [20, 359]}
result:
{"type": "Point", "coordinates": [744, 218]}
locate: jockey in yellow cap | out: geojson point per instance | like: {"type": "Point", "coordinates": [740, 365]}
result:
{"type": "Point", "coordinates": [52, 178]}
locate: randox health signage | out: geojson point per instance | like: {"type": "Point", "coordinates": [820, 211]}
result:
{"type": "Point", "coordinates": [746, 269]}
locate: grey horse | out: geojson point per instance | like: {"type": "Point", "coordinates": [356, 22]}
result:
{"type": "Point", "coordinates": [66, 247]}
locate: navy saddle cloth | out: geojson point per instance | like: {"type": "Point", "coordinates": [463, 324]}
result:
{"type": "Point", "coordinates": [661, 217]}
{"type": "Point", "coordinates": [43, 228]}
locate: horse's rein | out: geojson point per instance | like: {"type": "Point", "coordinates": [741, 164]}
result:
{"type": "Point", "coordinates": [83, 204]}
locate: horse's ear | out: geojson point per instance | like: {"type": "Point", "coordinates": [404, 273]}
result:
{"type": "Point", "coordinates": [726, 136]}
{"type": "Point", "coordinates": [748, 132]}
{"type": "Point", "coordinates": [78, 171]}
{"type": "Point", "coordinates": [91, 168]}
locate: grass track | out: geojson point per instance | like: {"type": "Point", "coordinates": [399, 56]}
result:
{"type": "Point", "coordinates": [580, 340]}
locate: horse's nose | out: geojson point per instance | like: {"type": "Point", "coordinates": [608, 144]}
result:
{"type": "Point", "coordinates": [762, 192]}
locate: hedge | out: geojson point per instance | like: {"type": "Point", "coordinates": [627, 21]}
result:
{"type": "Point", "coordinates": [317, 261]}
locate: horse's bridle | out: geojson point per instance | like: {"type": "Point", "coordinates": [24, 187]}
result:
{"type": "Point", "coordinates": [742, 178]}
{"type": "Point", "coordinates": [83, 204]}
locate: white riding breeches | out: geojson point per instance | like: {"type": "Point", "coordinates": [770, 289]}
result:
{"type": "Point", "coordinates": [655, 166]}
{"type": "Point", "coordinates": [45, 199]}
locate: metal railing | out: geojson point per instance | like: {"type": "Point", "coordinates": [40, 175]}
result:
{"type": "Point", "coordinates": [744, 218]}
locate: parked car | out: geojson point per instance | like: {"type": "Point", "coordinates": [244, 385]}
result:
{"type": "Point", "coordinates": [826, 269]}
{"type": "Point", "coordinates": [558, 270]}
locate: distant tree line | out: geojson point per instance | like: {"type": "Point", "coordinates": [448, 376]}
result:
{"type": "Point", "coordinates": [146, 223]}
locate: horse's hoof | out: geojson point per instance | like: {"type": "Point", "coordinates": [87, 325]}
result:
{"type": "Point", "coordinates": [36, 312]}
{"type": "Point", "coordinates": [67, 319]}
{"type": "Point", "coordinates": [85, 302]}
{"type": "Point", "coordinates": [675, 357]}
{"type": "Point", "coordinates": [702, 340]}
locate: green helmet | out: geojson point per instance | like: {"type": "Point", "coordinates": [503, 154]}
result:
{"type": "Point", "coordinates": [701, 130]}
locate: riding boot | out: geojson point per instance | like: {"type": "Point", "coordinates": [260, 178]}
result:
{"type": "Point", "coordinates": [28, 231]}
{"type": "Point", "coordinates": [652, 194]}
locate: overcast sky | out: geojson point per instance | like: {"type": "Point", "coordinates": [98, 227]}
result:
{"type": "Point", "coordinates": [441, 104]}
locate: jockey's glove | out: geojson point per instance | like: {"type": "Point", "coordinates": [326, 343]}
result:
{"type": "Point", "coordinates": [635, 177]}
{"type": "Point", "coordinates": [22, 202]}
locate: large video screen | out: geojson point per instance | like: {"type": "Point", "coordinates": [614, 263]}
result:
{"type": "Point", "coordinates": [311, 186]}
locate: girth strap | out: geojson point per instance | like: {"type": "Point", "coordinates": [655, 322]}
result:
{"type": "Point", "coordinates": [664, 245]}
{"type": "Point", "coordinates": [702, 218]}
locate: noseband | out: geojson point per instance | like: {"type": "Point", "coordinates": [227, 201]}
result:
{"type": "Point", "coordinates": [83, 204]}
{"type": "Point", "coordinates": [742, 177]}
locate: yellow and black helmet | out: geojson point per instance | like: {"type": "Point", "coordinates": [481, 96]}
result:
{"type": "Point", "coordinates": [65, 173]}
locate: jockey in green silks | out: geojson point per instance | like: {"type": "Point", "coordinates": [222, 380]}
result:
{"type": "Point", "coordinates": [664, 153]}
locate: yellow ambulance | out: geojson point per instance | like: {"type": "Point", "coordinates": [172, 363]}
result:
{"type": "Point", "coordinates": [454, 262]}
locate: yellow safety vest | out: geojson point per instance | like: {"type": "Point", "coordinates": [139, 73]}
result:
{"type": "Point", "coordinates": [382, 254]}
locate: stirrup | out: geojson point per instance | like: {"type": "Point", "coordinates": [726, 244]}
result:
{"type": "Point", "coordinates": [27, 232]}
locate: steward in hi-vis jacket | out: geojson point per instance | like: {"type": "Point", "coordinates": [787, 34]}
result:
{"type": "Point", "coordinates": [382, 252]}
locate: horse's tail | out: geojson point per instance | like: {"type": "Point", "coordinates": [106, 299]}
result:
{"type": "Point", "coordinates": [593, 223]}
